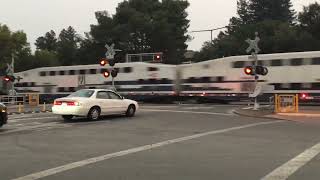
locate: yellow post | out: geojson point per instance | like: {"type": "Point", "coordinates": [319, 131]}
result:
{"type": "Point", "coordinates": [20, 108]}
{"type": "Point", "coordinates": [276, 103]}
{"type": "Point", "coordinates": [297, 103]}
{"type": "Point", "coordinates": [44, 107]}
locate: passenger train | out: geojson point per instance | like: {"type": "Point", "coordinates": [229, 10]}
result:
{"type": "Point", "coordinates": [222, 78]}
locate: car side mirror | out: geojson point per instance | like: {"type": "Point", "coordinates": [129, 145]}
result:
{"type": "Point", "coordinates": [122, 97]}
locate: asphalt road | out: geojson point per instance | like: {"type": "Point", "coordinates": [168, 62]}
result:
{"type": "Point", "coordinates": [160, 142]}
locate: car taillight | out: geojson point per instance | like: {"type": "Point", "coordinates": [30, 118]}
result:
{"type": "Point", "coordinates": [57, 103]}
{"type": "Point", "coordinates": [73, 103]}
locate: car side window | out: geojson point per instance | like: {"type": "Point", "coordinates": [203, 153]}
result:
{"type": "Point", "coordinates": [102, 95]}
{"type": "Point", "coordinates": [113, 95]}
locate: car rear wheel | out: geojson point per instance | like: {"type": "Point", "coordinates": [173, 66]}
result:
{"type": "Point", "coordinates": [131, 111]}
{"type": "Point", "coordinates": [67, 117]}
{"type": "Point", "coordinates": [94, 114]}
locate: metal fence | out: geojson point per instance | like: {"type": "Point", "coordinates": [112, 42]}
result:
{"type": "Point", "coordinates": [13, 100]}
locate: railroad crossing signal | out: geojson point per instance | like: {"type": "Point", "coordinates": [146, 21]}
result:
{"type": "Point", "coordinates": [256, 70]}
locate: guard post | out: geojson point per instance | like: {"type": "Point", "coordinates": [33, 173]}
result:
{"type": "Point", "coordinates": [287, 103]}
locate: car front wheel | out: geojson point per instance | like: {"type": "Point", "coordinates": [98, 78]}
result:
{"type": "Point", "coordinates": [131, 111]}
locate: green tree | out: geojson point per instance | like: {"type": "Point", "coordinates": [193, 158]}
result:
{"type": "Point", "coordinates": [13, 43]}
{"type": "Point", "coordinates": [68, 45]}
{"type": "Point", "coordinates": [141, 26]}
{"type": "Point", "coordinates": [47, 42]}
{"type": "Point", "coordinates": [310, 19]}
{"type": "Point", "coordinates": [279, 10]}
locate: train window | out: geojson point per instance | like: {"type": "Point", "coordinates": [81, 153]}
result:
{"type": "Point", "coordinates": [220, 78]}
{"type": "Point", "coordinates": [165, 81]}
{"type": "Point", "coordinates": [153, 69]}
{"type": "Point", "coordinates": [52, 73]}
{"type": "Point", "coordinates": [238, 64]}
{"type": "Point", "coordinates": [296, 62]}
{"type": "Point", "coordinates": [127, 70]}
{"type": "Point", "coordinates": [276, 62]}
{"type": "Point", "coordinates": [152, 81]}
{"type": "Point", "coordinates": [72, 89]}
{"type": "Point", "coordinates": [315, 61]}
{"type": "Point", "coordinates": [285, 86]}
{"type": "Point", "coordinates": [316, 86]}
{"type": "Point", "coordinates": [295, 86]}
{"type": "Point", "coordinates": [141, 81]}
{"type": "Point", "coordinates": [205, 79]}
{"type": "Point", "coordinates": [103, 70]}
{"type": "Point", "coordinates": [61, 73]}
{"type": "Point", "coordinates": [93, 71]}
{"type": "Point", "coordinates": [43, 73]}
{"type": "Point", "coordinates": [82, 72]}
{"type": "Point", "coordinates": [192, 80]}
{"type": "Point", "coordinates": [306, 86]}
{"type": "Point", "coordinates": [72, 72]}
{"type": "Point", "coordinates": [61, 89]}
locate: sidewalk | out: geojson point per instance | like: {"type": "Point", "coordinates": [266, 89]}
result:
{"type": "Point", "coordinates": [306, 114]}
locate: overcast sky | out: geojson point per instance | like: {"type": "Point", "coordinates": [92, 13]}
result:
{"type": "Point", "coordinates": [36, 17]}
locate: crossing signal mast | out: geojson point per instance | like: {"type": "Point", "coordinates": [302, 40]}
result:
{"type": "Point", "coordinates": [255, 70]}
{"type": "Point", "coordinates": [110, 59]}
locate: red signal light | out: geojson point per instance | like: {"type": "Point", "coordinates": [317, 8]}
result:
{"type": "Point", "coordinates": [248, 70]}
{"type": "Point", "coordinates": [6, 79]}
{"type": "Point", "coordinates": [106, 74]}
{"type": "Point", "coordinates": [103, 62]}
{"type": "Point", "coordinates": [158, 57]}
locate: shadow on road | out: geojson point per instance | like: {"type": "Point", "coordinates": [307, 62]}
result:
{"type": "Point", "coordinates": [108, 118]}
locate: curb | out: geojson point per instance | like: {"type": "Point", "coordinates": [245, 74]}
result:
{"type": "Point", "coordinates": [260, 117]}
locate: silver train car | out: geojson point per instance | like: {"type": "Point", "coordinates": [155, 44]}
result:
{"type": "Point", "coordinates": [222, 78]}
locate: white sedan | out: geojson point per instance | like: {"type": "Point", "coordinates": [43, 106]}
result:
{"type": "Point", "coordinates": [93, 103]}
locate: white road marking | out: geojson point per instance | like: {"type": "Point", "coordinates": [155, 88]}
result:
{"type": "Point", "coordinates": [191, 112]}
{"type": "Point", "coordinates": [93, 160]}
{"type": "Point", "coordinates": [286, 170]}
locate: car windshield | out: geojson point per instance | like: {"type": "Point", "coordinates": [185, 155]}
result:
{"type": "Point", "coordinates": [82, 93]}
